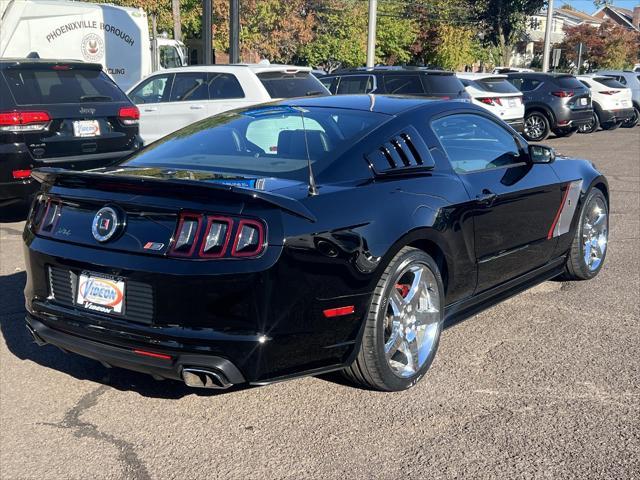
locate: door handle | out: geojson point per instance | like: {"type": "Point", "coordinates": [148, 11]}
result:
{"type": "Point", "coordinates": [486, 198]}
{"type": "Point", "coordinates": [196, 107]}
{"type": "Point", "coordinates": [151, 109]}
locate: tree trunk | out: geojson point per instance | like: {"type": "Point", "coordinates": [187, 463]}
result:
{"type": "Point", "coordinates": [177, 24]}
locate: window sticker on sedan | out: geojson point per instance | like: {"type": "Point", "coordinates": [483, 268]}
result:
{"type": "Point", "coordinates": [100, 294]}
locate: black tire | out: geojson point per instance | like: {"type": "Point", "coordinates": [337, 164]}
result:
{"type": "Point", "coordinates": [371, 369]}
{"type": "Point", "coordinates": [633, 121]}
{"type": "Point", "coordinates": [611, 126]}
{"type": "Point", "coordinates": [591, 127]}
{"type": "Point", "coordinates": [533, 134]}
{"type": "Point", "coordinates": [576, 267]}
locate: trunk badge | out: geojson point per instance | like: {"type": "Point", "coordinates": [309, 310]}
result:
{"type": "Point", "coordinates": [106, 224]}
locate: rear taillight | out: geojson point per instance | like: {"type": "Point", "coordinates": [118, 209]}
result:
{"type": "Point", "coordinates": [23, 121]}
{"type": "Point", "coordinates": [609, 92]}
{"type": "Point", "coordinates": [129, 115]}
{"type": "Point", "coordinates": [249, 239]}
{"type": "Point", "coordinates": [51, 216]}
{"type": "Point", "coordinates": [21, 174]}
{"type": "Point", "coordinates": [490, 101]}
{"type": "Point", "coordinates": [563, 93]}
{"type": "Point", "coordinates": [200, 236]}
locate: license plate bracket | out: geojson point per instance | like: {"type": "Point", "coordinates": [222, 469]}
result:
{"type": "Point", "coordinates": [101, 293]}
{"type": "Point", "coordinates": [86, 128]}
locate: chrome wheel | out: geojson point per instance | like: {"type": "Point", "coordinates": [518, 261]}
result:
{"type": "Point", "coordinates": [534, 127]}
{"type": "Point", "coordinates": [595, 232]}
{"type": "Point", "coordinates": [412, 320]}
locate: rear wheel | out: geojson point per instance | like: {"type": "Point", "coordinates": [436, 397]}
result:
{"type": "Point", "coordinates": [403, 325]}
{"type": "Point", "coordinates": [633, 121]}
{"type": "Point", "coordinates": [590, 127]}
{"type": "Point", "coordinates": [590, 241]}
{"type": "Point", "coordinates": [536, 127]}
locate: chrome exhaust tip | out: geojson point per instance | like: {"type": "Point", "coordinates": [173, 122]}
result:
{"type": "Point", "coordinates": [201, 378]}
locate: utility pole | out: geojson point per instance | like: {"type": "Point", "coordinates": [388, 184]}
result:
{"type": "Point", "coordinates": [371, 37]}
{"type": "Point", "coordinates": [177, 23]}
{"type": "Point", "coordinates": [234, 31]}
{"type": "Point", "coordinates": [155, 55]}
{"type": "Point", "coordinates": [547, 37]}
{"type": "Point", "coordinates": [207, 41]}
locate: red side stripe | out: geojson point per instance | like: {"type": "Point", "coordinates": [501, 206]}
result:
{"type": "Point", "coordinates": [555, 220]}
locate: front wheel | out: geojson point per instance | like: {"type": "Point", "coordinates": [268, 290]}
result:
{"type": "Point", "coordinates": [536, 127]}
{"type": "Point", "coordinates": [403, 324]}
{"type": "Point", "coordinates": [590, 240]}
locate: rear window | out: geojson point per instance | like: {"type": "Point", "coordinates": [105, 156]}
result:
{"type": "Point", "coordinates": [497, 85]}
{"type": "Point", "coordinates": [610, 82]}
{"type": "Point", "coordinates": [265, 141]}
{"type": "Point", "coordinates": [403, 84]}
{"type": "Point", "coordinates": [46, 86]}
{"type": "Point", "coordinates": [355, 84]}
{"type": "Point", "coordinates": [568, 82]}
{"type": "Point", "coordinates": [287, 85]}
{"type": "Point", "coordinates": [442, 84]}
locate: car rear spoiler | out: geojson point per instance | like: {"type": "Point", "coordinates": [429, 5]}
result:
{"type": "Point", "coordinates": [141, 184]}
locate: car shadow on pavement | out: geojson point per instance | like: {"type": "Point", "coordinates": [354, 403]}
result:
{"type": "Point", "coordinates": [14, 213]}
{"type": "Point", "coordinates": [20, 344]}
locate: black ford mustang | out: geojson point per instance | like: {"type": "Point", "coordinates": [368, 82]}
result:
{"type": "Point", "coordinates": [305, 236]}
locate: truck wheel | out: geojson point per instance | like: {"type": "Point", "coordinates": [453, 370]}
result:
{"type": "Point", "coordinates": [536, 127]}
{"type": "Point", "coordinates": [403, 325]}
{"type": "Point", "coordinates": [590, 240]}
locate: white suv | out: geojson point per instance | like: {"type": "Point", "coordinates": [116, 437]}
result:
{"type": "Point", "coordinates": [171, 99]}
{"type": "Point", "coordinates": [496, 94]}
{"type": "Point", "coordinates": [612, 103]}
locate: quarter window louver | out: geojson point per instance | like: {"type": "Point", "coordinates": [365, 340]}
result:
{"type": "Point", "coordinates": [403, 153]}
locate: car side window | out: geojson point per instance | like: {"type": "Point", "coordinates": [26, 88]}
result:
{"type": "Point", "coordinates": [355, 84]}
{"type": "Point", "coordinates": [622, 80]}
{"type": "Point", "coordinates": [153, 90]}
{"type": "Point", "coordinates": [529, 84]}
{"type": "Point", "coordinates": [189, 87]}
{"type": "Point", "coordinates": [223, 86]}
{"type": "Point", "coordinates": [403, 84]}
{"type": "Point", "coordinates": [473, 142]}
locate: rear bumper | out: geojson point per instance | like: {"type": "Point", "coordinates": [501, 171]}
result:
{"type": "Point", "coordinates": [615, 116]}
{"type": "Point", "coordinates": [572, 119]}
{"type": "Point", "coordinates": [153, 362]}
{"type": "Point", "coordinates": [517, 124]}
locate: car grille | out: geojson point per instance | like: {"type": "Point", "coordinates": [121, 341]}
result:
{"type": "Point", "coordinates": [138, 299]}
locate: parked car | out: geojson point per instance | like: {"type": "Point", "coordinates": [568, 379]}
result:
{"type": "Point", "coordinates": [175, 98]}
{"type": "Point", "coordinates": [223, 261]}
{"type": "Point", "coordinates": [556, 103]}
{"type": "Point", "coordinates": [396, 81]}
{"type": "Point", "coordinates": [63, 113]}
{"type": "Point", "coordinates": [510, 70]}
{"type": "Point", "coordinates": [630, 80]}
{"type": "Point", "coordinates": [496, 94]}
{"type": "Point", "coordinates": [612, 104]}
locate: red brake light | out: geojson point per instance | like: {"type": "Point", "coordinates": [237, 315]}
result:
{"type": "Point", "coordinates": [339, 312]}
{"type": "Point", "coordinates": [490, 101]}
{"type": "Point", "coordinates": [186, 236]}
{"type": "Point", "coordinates": [21, 174]}
{"type": "Point", "coordinates": [216, 237]}
{"type": "Point", "coordinates": [61, 67]}
{"type": "Point", "coordinates": [563, 93]}
{"type": "Point", "coordinates": [129, 115]}
{"type": "Point", "coordinates": [249, 241]}
{"type": "Point", "coordinates": [23, 121]}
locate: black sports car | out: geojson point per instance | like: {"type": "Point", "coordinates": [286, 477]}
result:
{"type": "Point", "coordinates": [302, 237]}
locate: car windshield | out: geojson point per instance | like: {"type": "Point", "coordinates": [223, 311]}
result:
{"type": "Point", "coordinates": [289, 85]}
{"type": "Point", "coordinates": [264, 141]}
{"type": "Point", "coordinates": [496, 85]}
{"type": "Point", "coordinates": [54, 84]}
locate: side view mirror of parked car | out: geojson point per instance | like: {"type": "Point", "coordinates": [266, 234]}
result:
{"type": "Point", "coordinates": [541, 154]}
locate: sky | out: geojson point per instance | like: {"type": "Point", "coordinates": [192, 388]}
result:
{"type": "Point", "coordinates": [587, 6]}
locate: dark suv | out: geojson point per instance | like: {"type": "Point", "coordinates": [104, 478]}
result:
{"type": "Point", "coordinates": [65, 114]}
{"type": "Point", "coordinates": [556, 103]}
{"type": "Point", "coordinates": [396, 81]}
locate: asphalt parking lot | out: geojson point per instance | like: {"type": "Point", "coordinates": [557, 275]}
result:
{"type": "Point", "coordinates": [545, 385]}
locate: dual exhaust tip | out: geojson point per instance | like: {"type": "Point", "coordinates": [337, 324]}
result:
{"type": "Point", "coordinates": [201, 378]}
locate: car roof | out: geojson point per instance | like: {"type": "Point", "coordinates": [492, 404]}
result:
{"type": "Point", "coordinates": [392, 69]}
{"type": "Point", "coordinates": [479, 76]}
{"type": "Point", "coordinates": [386, 104]}
{"type": "Point", "coordinates": [37, 62]}
{"type": "Point", "coordinates": [229, 68]}
{"type": "Point", "coordinates": [538, 74]}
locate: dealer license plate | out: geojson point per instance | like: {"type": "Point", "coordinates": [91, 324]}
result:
{"type": "Point", "coordinates": [583, 101]}
{"type": "Point", "coordinates": [86, 128]}
{"type": "Point", "coordinates": [512, 103]}
{"type": "Point", "coordinates": [101, 294]}
{"type": "Point", "coordinates": [625, 103]}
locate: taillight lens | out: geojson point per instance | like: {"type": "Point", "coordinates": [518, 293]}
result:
{"type": "Point", "coordinates": [129, 115]}
{"type": "Point", "coordinates": [216, 238]}
{"type": "Point", "coordinates": [24, 121]}
{"type": "Point", "coordinates": [563, 93]}
{"type": "Point", "coordinates": [51, 216]}
{"type": "Point", "coordinates": [186, 236]}
{"type": "Point", "coordinates": [491, 101]}
{"type": "Point", "coordinates": [20, 174]}
{"type": "Point", "coordinates": [249, 240]}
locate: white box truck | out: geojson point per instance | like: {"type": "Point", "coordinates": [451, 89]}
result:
{"type": "Point", "coordinates": [116, 37]}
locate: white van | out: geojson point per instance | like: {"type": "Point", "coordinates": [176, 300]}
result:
{"type": "Point", "coordinates": [116, 37]}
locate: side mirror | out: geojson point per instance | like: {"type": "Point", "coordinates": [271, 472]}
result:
{"type": "Point", "coordinates": [541, 154]}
